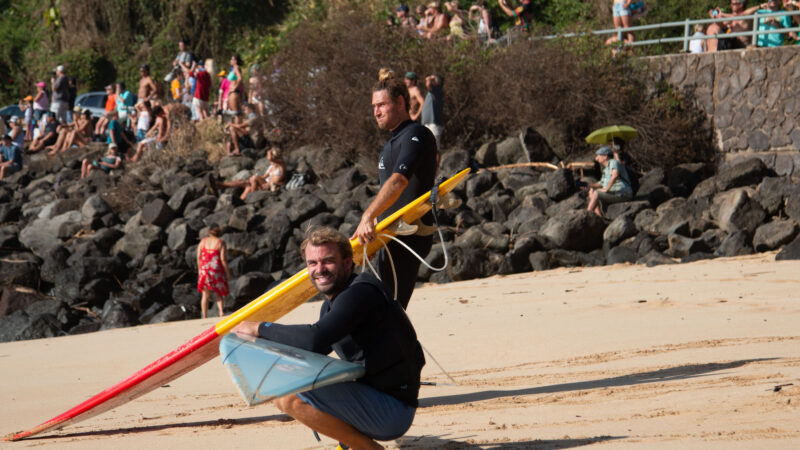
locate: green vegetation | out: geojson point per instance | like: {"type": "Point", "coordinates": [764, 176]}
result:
{"type": "Point", "coordinates": [328, 53]}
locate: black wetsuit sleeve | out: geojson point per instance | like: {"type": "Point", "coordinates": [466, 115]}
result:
{"type": "Point", "coordinates": [411, 153]}
{"type": "Point", "coordinates": [347, 311]}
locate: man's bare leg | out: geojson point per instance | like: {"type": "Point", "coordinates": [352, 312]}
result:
{"type": "Point", "coordinates": [325, 423]}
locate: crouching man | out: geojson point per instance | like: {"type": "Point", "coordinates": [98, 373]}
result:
{"type": "Point", "coordinates": [363, 325]}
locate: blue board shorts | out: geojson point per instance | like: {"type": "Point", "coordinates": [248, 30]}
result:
{"type": "Point", "coordinates": [370, 411]}
{"type": "Point", "coordinates": [620, 10]}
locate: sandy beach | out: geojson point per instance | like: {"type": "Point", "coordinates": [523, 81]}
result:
{"type": "Point", "coordinates": [700, 355]}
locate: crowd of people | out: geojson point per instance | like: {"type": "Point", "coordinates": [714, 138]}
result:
{"type": "Point", "coordinates": [133, 124]}
{"type": "Point", "coordinates": [626, 12]}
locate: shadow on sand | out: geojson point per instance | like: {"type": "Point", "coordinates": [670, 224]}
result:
{"type": "Point", "coordinates": [458, 443]}
{"type": "Point", "coordinates": [672, 373]}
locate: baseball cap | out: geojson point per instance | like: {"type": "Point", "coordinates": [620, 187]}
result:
{"type": "Point", "coordinates": [403, 8]}
{"type": "Point", "coordinates": [13, 119]}
{"type": "Point", "coordinates": [604, 150]}
{"type": "Point", "coordinates": [41, 84]}
{"type": "Point", "coordinates": [77, 108]}
{"type": "Point", "coordinates": [28, 98]}
{"type": "Point", "coordinates": [411, 75]}
{"type": "Point", "coordinates": [112, 145]}
{"type": "Point", "coordinates": [59, 68]}
{"type": "Point", "coordinates": [222, 73]}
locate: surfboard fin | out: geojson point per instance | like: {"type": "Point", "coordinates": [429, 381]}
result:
{"type": "Point", "coordinates": [448, 201]}
{"type": "Point", "coordinates": [400, 228]}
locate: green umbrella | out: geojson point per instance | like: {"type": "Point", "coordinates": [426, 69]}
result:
{"type": "Point", "coordinates": [604, 135]}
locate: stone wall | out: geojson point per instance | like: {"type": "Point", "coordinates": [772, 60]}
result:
{"type": "Point", "coordinates": [752, 98]}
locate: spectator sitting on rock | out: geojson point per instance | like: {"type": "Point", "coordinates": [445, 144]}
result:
{"type": "Point", "coordinates": [240, 132]}
{"type": "Point", "coordinates": [17, 132]}
{"type": "Point", "coordinates": [436, 21]}
{"type": "Point", "coordinates": [732, 26]}
{"type": "Point", "coordinates": [613, 187]}
{"type": "Point", "coordinates": [111, 105]}
{"type": "Point", "coordinates": [66, 134]}
{"type": "Point", "coordinates": [274, 176]}
{"type": "Point", "coordinates": [415, 99]}
{"type": "Point", "coordinates": [110, 161]}
{"type": "Point", "coordinates": [157, 136]}
{"type": "Point", "coordinates": [116, 134]}
{"type": "Point", "coordinates": [10, 157]}
{"type": "Point", "coordinates": [81, 134]}
{"type": "Point", "coordinates": [48, 136]}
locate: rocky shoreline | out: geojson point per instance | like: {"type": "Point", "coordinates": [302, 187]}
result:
{"type": "Point", "coordinates": [119, 250]}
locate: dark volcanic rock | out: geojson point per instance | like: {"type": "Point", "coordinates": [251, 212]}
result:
{"type": "Point", "coordinates": [94, 207]}
{"type": "Point", "coordinates": [736, 210]}
{"type": "Point", "coordinates": [17, 298]}
{"type": "Point", "coordinates": [171, 313]}
{"type": "Point", "coordinates": [788, 252]}
{"type": "Point", "coordinates": [560, 184]}
{"type": "Point", "coordinates": [736, 244]}
{"type": "Point", "coordinates": [453, 161]}
{"type": "Point", "coordinates": [619, 229]}
{"type": "Point", "coordinates": [574, 230]}
{"type": "Point", "coordinates": [654, 258]}
{"type": "Point", "coordinates": [480, 182]}
{"type": "Point", "coordinates": [683, 178]}
{"type": "Point", "coordinates": [251, 285]}
{"type": "Point", "coordinates": [770, 236]}
{"type": "Point", "coordinates": [157, 212]}
{"type": "Point", "coordinates": [21, 269]}
{"type": "Point", "coordinates": [621, 254]}
{"type": "Point", "coordinates": [745, 173]}
{"type": "Point", "coordinates": [117, 314]}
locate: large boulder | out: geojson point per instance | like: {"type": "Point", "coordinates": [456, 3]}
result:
{"type": "Point", "coordinates": [772, 235]}
{"type": "Point", "coordinates": [157, 212]}
{"type": "Point", "coordinates": [20, 268]}
{"type": "Point", "coordinates": [787, 253]}
{"type": "Point", "coordinates": [736, 210]}
{"type": "Point", "coordinates": [95, 207]}
{"type": "Point", "coordinates": [619, 229]}
{"type": "Point", "coordinates": [251, 285]}
{"type": "Point", "coordinates": [42, 234]}
{"type": "Point", "coordinates": [140, 241]}
{"type": "Point", "coordinates": [683, 178]}
{"type": "Point", "coordinates": [735, 244]}
{"type": "Point", "coordinates": [560, 184]}
{"type": "Point", "coordinates": [574, 230]}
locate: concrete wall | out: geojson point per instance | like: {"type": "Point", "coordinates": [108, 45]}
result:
{"type": "Point", "coordinates": [752, 98]}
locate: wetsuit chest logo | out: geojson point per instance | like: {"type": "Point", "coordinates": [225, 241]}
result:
{"type": "Point", "coordinates": [381, 166]}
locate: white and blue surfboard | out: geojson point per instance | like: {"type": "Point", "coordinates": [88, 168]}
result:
{"type": "Point", "coordinates": [263, 370]}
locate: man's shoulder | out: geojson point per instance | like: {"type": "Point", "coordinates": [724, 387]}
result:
{"type": "Point", "coordinates": [365, 279]}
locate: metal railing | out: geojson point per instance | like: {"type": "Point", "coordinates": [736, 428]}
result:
{"type": "Point", "coordinates": [687, 30]}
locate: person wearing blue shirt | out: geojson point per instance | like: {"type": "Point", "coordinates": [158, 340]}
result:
{"type": "Point", "coordinates": [770, 23]}
{"type": "Point", "coordinates": [10, 157]}
{"type": "Point", "coordinates": [125, 101]}
{"type": "Point", "coordinates": [614, 185]}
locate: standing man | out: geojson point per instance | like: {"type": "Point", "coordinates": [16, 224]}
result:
{"type": "Point", "coordinates": [359, 321]}
{"type": "Point", "coordinates": [433, 107]}
{"type": "Point", "coordinates": [415, 100]}
{"type": "Point", "coordinates": [147, 87]}
{"type": "Point", "coordinates": [202, 92]}
{"type": "Point", "coordinates": [406, 169]}
{"type": "Point", "coordinates": [60, 85]}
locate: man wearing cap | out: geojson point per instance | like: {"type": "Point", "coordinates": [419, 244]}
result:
{"type": "Point", "coordinates": [10, 157]}
{"type": "Point", "coordinates": [614, 185]}
{"type": "Point", "coordinates": [405, 19]}
{"type": "Point", "coordinates": [60, 86]}
{"type": "Point", "coordinates": [147, 87]}
{"type": "Point", "coordinates": [124, 101]}
{"type": "Point", "coordinates": [17, 132]}
{"type": "Point", "coordinates": [415, 100]}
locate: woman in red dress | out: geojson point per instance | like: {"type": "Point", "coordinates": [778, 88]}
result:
{"type": "Point", "coordinates": [212, 269]}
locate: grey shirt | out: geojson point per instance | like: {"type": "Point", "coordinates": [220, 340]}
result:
{"type": "Point", "coordinates": [61, 89]}
{"type": "Point", "coordinates": [432, 108]}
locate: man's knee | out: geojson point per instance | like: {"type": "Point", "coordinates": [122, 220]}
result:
{"type": "Point", "coordinates": [288, 403]}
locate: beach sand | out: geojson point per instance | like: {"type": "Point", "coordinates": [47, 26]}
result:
{"type": "Point", "coordinates": [700, 355]}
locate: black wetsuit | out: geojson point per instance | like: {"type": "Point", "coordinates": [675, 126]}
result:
{"type": "Point", "coordinates": [366, 327]}
{"type": "Point", "coordinates": [411, 152]}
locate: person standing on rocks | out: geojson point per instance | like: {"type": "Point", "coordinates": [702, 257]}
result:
{"type": "Point", "coordinates": [406, 169]}
{"type": "Point", "coordinates": [433, 108]}
{"type": "Point", "coordinates": [415, 96]}
{"type": "Point", "coordinates": [212, 269]}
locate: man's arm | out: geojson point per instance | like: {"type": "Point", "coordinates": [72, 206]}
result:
{"type": "Point", "coordinates": [386, 197]}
